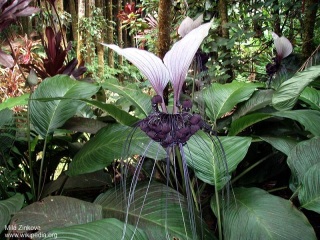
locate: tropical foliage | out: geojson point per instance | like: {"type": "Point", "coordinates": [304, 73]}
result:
{"type": "Point", "coordinates": [77, 163]}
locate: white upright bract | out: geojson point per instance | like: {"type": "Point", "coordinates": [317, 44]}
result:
{"type": "Point", "coordinates": [283, 46]}
{"type": "Point", "coordinates": [174, 66]}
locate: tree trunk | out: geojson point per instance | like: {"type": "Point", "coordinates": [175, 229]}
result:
{"type": "Point", "coordinates": [90, 47]}
{"type": "Point", "coordinates": [224, 33]}
{"type": "Point", "coordinates": [74, 18]}
{"type": "Point", "coordinates": [276, 14]}
{"type": "Point", "coordinates": [311, 7]}
{"type": "Point", "coordinates": [120, 37]}
{"type": "Point", "coordinates": [164, 25]}
{"type": "Point", "coordinates": [81, 15]}
{"type": "Point", "coordinates": [109, 38]}
{"type": "Point", "coordinates": [100, 48]}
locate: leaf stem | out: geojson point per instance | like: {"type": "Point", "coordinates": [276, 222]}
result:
{"type": "Point", "coordinates": [41, 167]}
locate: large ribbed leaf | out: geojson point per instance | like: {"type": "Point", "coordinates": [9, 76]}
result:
{"type": "Point", "coordinates": [8, 207]}
{"type": "Point", "coordinates": [288, 93]}
{"type": "Point", "coordinates": [207, 158]}
{"type": "Point", "coordinates": [107, 229]}
{"type": "Point", "coordinates": [308, 118]}
{"type": "Point", "coordinates": [139, 99]}
{"type": "Point", "coordinates": [15, 101]}
{"type": "Point", "coordinates": [283, 144]}
{"type": "Point", "coordinates": [255, 214]}
{"type": "Point", "coordinates": [57, 211]}
{"type": "Point", "coordinates": [311, 96]}
{"type": "Point", "coordinates": [222, 98]}
{"type": "Point", "coordinates": [258, 100]}
{"type": "Point", "coordinates": [46, 116]}
{"type": "Point", "coordinates": [303, 156]}
{"type": "Point", "coordinates": [309, 193]}
{"type": "Point", "coordinates": [7, 133]}
{"type": "Point", "coordinates": [110, 143]}
{"type": "Point", "coordinates": [163, 210]}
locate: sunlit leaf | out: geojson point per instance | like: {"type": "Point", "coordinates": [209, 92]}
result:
{"type": "Point", "coordinates": [15, 101]}
{"type": "Point", "coordinates": [46, 116]}
{"type": "Point", "coordinates": [206, 157]}
{"type": "Point", "coordinates": [108, 229]}
{"type": "Point", "coordinates": [222, 98]}
{"type": "Point", "coordinates": [255, 214]}
{"type": "Point", "coordinates": [289, 91]}
{"type": "Point", "coordinates": [110, 143]}
{"type": "Point", "coordinates": [163, 210]}
{"type": "Point", "coordinates": [9, 207]}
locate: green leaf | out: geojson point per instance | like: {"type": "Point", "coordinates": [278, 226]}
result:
{"type": "Point", "coordinates": [157, 208]}
{"type": "Point", "coordinates": [283, 144]}
{"type": "Point", "coordinates": [205, 156]}
{"type": "Point", "coordinates": [222, 98]}
{"type": "Point", "coordinates": [246, 121]}
{"type": "Point", "coordinates": [57, 211]}
{"type": "Point", "coordinates": [139, 99]}
{"type": "Point", "coordinates": [309, 193]}
{"type": "Point", "coordinates": [110, 143]}
{"type": "Point", "coordinates": [6, 117]}
{"type": "Point", "coordinates": [8, 207]}
{"type": "Point", "coordinates": [288, 93]}
{"type": "Point", "coordinates": [311, 96]}
{"type": "Point", "coordinates": [255, 214]}
{"type": "Point", "coordinates": [108, 229]}
{"type": "Point", "coordinates": [303, 156]}
{"type": "Point", "coordinates": [118, 114]}
{"type": "Point", "coordinates": [15, 101]}
{"type": "Point", "coordinates": [258, 100]}
{"type": "Point", "coordinates": [50, 115]}
{"type": "Point", "coordinates": [307, 118]}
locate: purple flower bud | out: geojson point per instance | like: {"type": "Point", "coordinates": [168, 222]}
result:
{"type": "Point", "coordinates": [195, 119]}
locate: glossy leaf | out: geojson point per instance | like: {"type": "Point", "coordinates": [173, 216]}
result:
{"type": "Point", "coordinates": [289, 91]}
{"type": "Point", "coordinates": [57, 211]}
{"type": "Point", "coordinates": [255, 214]}
{"type": "Point", "coordinates": [283, 144]}
{"type": "Point", "coordinates": [311, 96]}
{"type": "Point", "coordinates": [305, 155]}
{"type": "Point", "coordinates": [309, 193]}
{"type": "Point", "coordinates": [9, 207]}
{"type": "Point", "coordinates": [118, 114]}
{"type": "Point", "coordinates": [110, 143]}
{"type": "Point", "coordinates": [163, 210]}
{"type": "Point", "coordinates": [15, 101]}
{"type": "Point", "coordinates": [46, 116]}
{"type": "Point", "coordinates": [206, 157]}
{"type": "Point", "coordinates": [108, 229]}
{"type": "Point", "coordinates": [139, 99]}
{"type": "Point", "coordinates": [222, 98]}
{"type": "Point", "coordinates": [258, 100]}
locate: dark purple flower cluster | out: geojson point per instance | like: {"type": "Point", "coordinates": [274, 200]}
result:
{"type": "Point", "coordinates": [171, 129]}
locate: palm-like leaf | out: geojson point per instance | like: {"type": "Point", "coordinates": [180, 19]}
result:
{"type": "Point", "coordinates": [8, 207]}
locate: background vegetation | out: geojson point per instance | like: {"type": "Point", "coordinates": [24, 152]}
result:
{"type": "Point", "coordinates": [67, 102]}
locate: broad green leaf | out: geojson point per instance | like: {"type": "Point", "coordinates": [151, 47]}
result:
{"type": "Point", "coordinates": [9, 207]}
{"type": "Point", "coordinates": [206, 156]}
{"type": "Point", "coordinates": [108, 229]}
{"type": "Point", "coordinates": [110, 143]}
{"type": "Point", "coordinates": [222, 98]}
{"type": "Point", "coordinates": [289, 91]}
{"type": "Point", "coordinates": [57, 211]}
{"type": "Point", "coordinates": [283, 144]}
{"type": "Point", "coordinates": [311, 96]}
{"type": "Point", "coordinates": [156, 209]}
{"type": "Point", "coordinates": [6, 117]}
{"type": "Point", "coordinates": [46, 116]}
{"type": "Point", "coordinates": [139, 99]}
{"type": "Point", "coordinates": [258, 100]}
{"type": "Point", "coordinates": [307, 118]}
{"type": "Point", "coordinates": [255, 214]}
{"type": "Point", "coordinates": [309, 192]}
{"type": "Point", "coordinates": [15, 101]}
{"type": "Point", "coordinates": [246, 121]}
{"type": "Point", "coordinates": [7, 131]}
{"type": "Point", "coordinates": [118, 114]}
{"type": "Point", "coordinates": [303, 156]}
